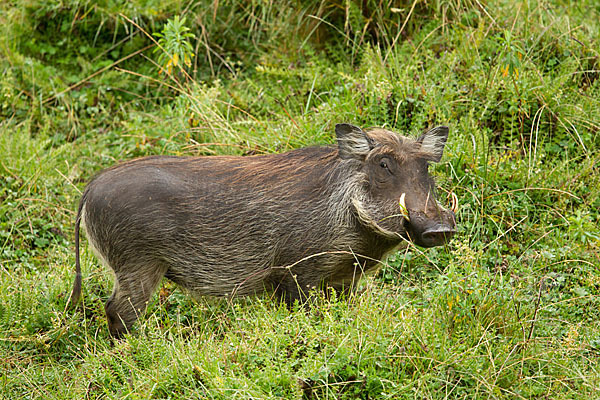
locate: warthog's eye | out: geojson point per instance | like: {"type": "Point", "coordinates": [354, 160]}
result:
{"type": "Point", "coordinates": [386, 163]}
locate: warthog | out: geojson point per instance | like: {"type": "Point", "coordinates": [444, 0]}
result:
{"type": "Point", "coordinates": [316, 217]}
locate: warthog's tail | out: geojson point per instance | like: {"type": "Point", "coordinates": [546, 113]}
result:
{"type": "Point", "coordinates": [76, 292]}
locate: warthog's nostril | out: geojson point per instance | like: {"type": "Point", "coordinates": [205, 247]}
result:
{"type": "Point", "coordinates": [437, 237]}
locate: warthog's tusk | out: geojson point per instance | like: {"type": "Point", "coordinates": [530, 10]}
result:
{"type": "Point", "coordinates": [403, 209]}
{"type": "Point", "coordinates": [453, 202]}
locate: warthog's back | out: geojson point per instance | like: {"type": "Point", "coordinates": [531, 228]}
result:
{"type": "Point", "coordinates": [219, 224]}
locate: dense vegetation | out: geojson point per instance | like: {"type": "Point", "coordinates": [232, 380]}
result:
{"type": "Point", "coordinates": [509, 309]}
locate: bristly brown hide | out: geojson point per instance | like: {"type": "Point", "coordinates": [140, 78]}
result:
{"type": "Point", "coordinates": [310, 218]}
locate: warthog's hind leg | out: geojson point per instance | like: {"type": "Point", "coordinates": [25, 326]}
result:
{"type": "Point", "coordinates": [130, 296]}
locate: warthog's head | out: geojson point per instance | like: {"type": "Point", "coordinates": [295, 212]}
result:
{"type": "Point", "coordinates": [397, 195]}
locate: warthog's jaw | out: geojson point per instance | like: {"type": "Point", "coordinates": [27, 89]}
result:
{"type": "Point", "coordinates": [378, 225]}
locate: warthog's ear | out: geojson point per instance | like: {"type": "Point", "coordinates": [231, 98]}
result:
{"type": "Point", "coordinates": [433, 142]}
{"type": "Point", "coordinates": [353, 142]}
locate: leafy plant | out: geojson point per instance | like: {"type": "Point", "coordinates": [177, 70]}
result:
{"type": "Point", "coordinates": [174, 47]}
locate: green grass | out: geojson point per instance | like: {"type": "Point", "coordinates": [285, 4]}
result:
{"type": "Point", "coordinates": [509, 309]}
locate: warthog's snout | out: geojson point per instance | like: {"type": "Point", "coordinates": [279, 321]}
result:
{"type": "Point", "coordinates": [430, 232]}
{"type": "Point", "coordinates": [437, 236]}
